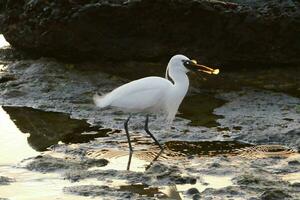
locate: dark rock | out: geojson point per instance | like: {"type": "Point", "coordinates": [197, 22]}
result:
{"type": "Point", "coordinates": [229, 191]}
{"type": "Point", "coordinates": [96, 162]}
{"type": "Point", "coordinates": [94, 190]}
{"type": "Point", "coordinates": [262, 181]}
{"type": "Point", "coordinates": [274, 194]}
{"type": "Point", "coordinates": [216, 165]}
{"type": "Point", "coordinates": [192, 191]}
{"type": "Point", "coordinates": [221, 32]}
{"type": "Point", "coordinates": [183, 180]}
{"type": "Point", "coordinates": [296, 185]}
{"type": "Point", "coordinates": [49, 164]}
{"type": "Point", "coordinates": [159, 169]}
{"type": "Point", "coordinates": [196, 197]}
{"type": "Point", "coordinates": [6, 78]}
{"type": "Point", "coordinates": [87, 190]}
{"type": "Point", "coordinates": [294, 162]}
{"type": "Point", "coordinates": [5, 180]}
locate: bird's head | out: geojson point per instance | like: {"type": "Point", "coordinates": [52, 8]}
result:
{"type": "Point", "coordinates": [184, 63]}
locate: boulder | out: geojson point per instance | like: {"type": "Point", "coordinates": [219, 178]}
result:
{"type": "Point", "coordinates": [230, 33]}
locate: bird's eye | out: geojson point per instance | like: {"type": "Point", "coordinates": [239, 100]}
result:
{"type": "Point", "coordinates": [186, 62]}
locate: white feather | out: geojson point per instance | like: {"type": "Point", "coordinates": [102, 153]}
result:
{"type": "Point", "coordinates": [151, 94]}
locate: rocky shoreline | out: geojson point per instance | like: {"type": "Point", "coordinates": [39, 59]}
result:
{"type": "Point", "coordinates": [248, 132]}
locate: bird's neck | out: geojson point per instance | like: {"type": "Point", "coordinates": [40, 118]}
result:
{"type": "Point", "coordinates": [177, 92]}
{"type": "Point", "coordinates": [179, 79]}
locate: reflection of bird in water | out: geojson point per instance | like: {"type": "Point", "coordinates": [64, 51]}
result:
{"type": "Point", "coordinates": [154, 94]}
{"type": "Point", "coordinates": [172, 192]}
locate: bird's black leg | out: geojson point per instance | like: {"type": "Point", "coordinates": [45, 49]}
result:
{"type": "Point", "coordinates": [127, 133]}
{"type": "Point", "coordinates": [155, 159]}
{"type": "Point", "coordinates": [129, 160]}
{"type": "Point", "coordinates": [149, 133]}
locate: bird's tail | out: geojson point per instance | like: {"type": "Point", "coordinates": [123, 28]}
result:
{"type": "Point", "coordinates": [100, 101]}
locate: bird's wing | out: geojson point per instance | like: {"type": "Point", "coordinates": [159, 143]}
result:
{"type": "Point", "coordinates": [138, 95]}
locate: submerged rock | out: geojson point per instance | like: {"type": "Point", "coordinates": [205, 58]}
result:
{"type": "Point", "coordinates": [225, 32]}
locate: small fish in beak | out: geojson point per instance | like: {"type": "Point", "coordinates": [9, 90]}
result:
{"type": "Point", "coordinates": [193, 65]}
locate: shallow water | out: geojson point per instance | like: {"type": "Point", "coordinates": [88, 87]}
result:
{"type": "Point", "coordinates": [14, 146]}
{"type": "Point", "coordinates": [19, 130]}
{"type": "Point", "coordinates": [19, 124]}
{"type": "Point", "coordinates": [49, 128]}
{"type": "Point", "coordinates": [25, 131]}
{"type": "Point", "coordinates": [199, 109]}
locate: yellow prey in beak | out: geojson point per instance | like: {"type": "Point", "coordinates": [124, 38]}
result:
{"type": "Point", "coordinates": [203, 68]}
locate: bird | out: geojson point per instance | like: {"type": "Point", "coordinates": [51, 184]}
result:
{"type": "Point", "coordinates": [153, 94]}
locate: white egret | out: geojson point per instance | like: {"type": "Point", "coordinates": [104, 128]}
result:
{"type": "Point", "coordinates": [154, 94]}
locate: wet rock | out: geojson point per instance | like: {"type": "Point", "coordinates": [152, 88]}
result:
{"type": "Point", "coordinates": [49, 164]}
{"type": "Point", "coordinates": [274, 194]}
{"type": "Point", "coordinates": [252, 32]}
{"type": "Point", "coordinates": [294, 162]}
{"type": "Point", "coordinates": [93, 190]}
{"type": "Point", "coordinates": [143, 190]}
{"type": "Point", "coordinates": [132, 177]}
{"type": "Point", "coordinates": [76, 175]}
{"type": "Point", "coordinates": [253, 109]}
{"type": "Point", "coordinates": [216, 165]}
{"type": "Point", "coordinates": [228, 192]}
{"type": "Point", "coordinates": [169, 173]}
{"type": "Point", "coordinates": [6, 78]}
{"type": "Point", "coordinates": [296, 185]}
{"type": "Point", "coordinates": [267, 184]}
{"type": "Point", "coordinates": [159, 169]}
{"type": "Point", "coordinates": [253, 198]}
{"type": "Point", "coordinates": [192, 191]}
{"type": "Point", "coordinates": [96, 162]}
{"type": "Point", "coordinates": [196, 197]}
{"type": "Point", "coordinates": [5, 180]}
{"type": "Point", "coordinates": [183, 180]}
{"type": "Point", "coordinates": [249, 179]}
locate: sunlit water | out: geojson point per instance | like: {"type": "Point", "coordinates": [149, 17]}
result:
{"type": "Point", "coordinates": [27, 185]}
{"type": "Point", "coordinates": [14, 146]}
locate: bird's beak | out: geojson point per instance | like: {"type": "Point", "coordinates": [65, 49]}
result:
{"type": "Point", "coordinates": [203, 68]}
